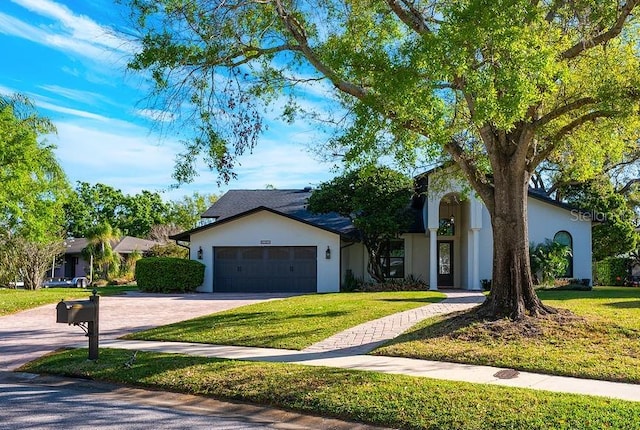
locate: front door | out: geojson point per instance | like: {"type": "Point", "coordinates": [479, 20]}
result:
{"type": "Point", "coordinates": [445, 263]}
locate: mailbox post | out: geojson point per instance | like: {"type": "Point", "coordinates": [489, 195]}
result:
{"type": "Point", "coordinates": [93, 327]}
{"type": "Point", "coordinates": [83, 313]}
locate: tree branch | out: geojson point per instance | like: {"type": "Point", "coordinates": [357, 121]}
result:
{"type": "Point", "coordinates": [475, 177]}
{"type": "Point", "coordinates": [542, 155]}
{"type": "Point", "coordinates": [410, 16]}
{"type": "Point", "coordinates": [249, 53]}
{"type": "Point", "coordinates": [562, 110]}
{"type": "Point", "coordinates": [297, 31]}
{"type": "Point", "coordinates": [628, 185]}
{"type": "Point", "coordinates": [601, 38]}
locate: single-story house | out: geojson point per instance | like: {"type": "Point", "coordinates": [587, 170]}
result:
{"type": "Point", "coordinates": [74, 264]}
{"type": "Point", "coordinates": [266, 240]}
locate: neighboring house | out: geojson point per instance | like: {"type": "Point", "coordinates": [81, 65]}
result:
{"type": "Point", "coordinates": [74, 263]}
{"type": "Point", "coordinates": [266, 240]}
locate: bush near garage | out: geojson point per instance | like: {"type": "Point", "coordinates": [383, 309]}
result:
{"type": "Point", "coordinates": [169, 275]}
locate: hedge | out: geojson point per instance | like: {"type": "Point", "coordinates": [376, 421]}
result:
{"type": "Point", "coordinates": [167, 274]}
{"type": "Point", "coordinates": [611, 271]}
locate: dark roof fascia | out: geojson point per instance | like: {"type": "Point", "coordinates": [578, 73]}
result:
{"type": "Point", "coordinates": [186, 236]}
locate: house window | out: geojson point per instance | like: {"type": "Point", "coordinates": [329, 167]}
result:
{"type": "Point", "coordinates": [564, 238]}
{"type": "Point", "coordinates": [392, 258]}
{"type": "Point", "coordinates": [447, 227]}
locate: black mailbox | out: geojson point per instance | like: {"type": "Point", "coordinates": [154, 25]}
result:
{"type": "Point", "coordinates": [76, 312]}
{"type": "Point", "coordinates": [83, 313]}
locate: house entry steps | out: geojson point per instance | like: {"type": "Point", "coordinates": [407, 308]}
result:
{"type": "Point", "coordinates": [368, 336]}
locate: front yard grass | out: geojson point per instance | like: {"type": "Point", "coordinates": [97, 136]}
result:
{"type": "Point", "coordinates": [396, 401]}
{"type": "Point", "coordinates": [16, 300]}
{"type": "Point", "coordinates": [293, 323]}
{"type": "Point", "coordinates": [601, 340]}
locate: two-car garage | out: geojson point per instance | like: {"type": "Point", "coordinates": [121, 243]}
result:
{"type": "Point", "coordinates": [265, 269]}
{"type": "Point", "coordinates": [263, 250]}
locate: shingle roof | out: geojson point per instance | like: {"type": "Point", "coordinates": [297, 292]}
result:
{"type": "Point", "coordinates": [290, 203]}
{"type": "Point", "coordinates": [126, 245]}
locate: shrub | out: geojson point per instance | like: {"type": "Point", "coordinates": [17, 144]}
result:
{"type": "Point", "coordinates": [548, 260]}
{"type": "Point", "coordinates": [169, 250]}
{"type": "Point", "coordinates": [410, 283]}
{"type": "Point", "coordinates": [166, 274]}
{"type": "Point", "coordinates": [351, 283]}
{"type": "Point", "coordinates": [486, 284]}
{"type": "Point", "coordinates": [611, 271]}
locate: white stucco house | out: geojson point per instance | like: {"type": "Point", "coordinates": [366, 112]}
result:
{"type": "Point", "coordinates": [266, 240]}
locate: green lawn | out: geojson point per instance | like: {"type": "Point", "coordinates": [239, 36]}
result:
{"type": "Point", "coordinates": [603, 342]}
{"type": "Point", "coordinates": [389, 400]}
{"type": "Point", "coordinates": [15, 300]}
{"type": "Point", "coordinates": [293, 323]}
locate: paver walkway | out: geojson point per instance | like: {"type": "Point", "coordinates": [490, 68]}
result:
{"type": "Point", "coordinates": [368, 336]}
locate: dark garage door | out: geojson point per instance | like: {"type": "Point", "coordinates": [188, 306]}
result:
{"type": "Point", "coordinates": [266, 269]}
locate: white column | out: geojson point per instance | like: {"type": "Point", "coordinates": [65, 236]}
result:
{"type": "Point", "coordinates": [475, 261]}
{"type": "Point", "coordinates": [433, 258]}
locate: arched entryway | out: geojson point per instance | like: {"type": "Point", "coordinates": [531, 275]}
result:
{"type": "Point", "coordinates": [454, 220]}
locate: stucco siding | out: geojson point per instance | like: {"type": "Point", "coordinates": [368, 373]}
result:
{"type": "Point", "coordinates": [268, 229]}
{"type": "Point", "coordinates": [420, 256]}
{"type": "Point", "coordinates": [545, 220]}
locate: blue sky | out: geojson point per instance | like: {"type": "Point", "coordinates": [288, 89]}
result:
{"type": "Point", "coordinates": [62, 54]}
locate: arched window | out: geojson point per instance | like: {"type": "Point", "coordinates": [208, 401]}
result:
{"type": "Point", "coordinates": [564, 238]}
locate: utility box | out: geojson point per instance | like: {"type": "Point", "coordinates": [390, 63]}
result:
{"type": "Point", "coordinates": [76, 312]}
{"type": "Point", "coordinates": [83, 313]}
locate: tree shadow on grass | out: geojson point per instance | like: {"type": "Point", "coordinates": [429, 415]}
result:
{"type": "Point", "coordinates": [260, 329]}
{"type": "Point", "coordinates": [596, 293]}
{"type": "Point", "coordinates": [635, 304]}
{"type": "Point", "coordinates": [443, 326]}
{"type": "Point", "coordinates": [414, 300]}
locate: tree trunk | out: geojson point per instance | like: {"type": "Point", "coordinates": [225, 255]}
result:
{"type": "Point", "coordinates": [512, 294]}
{"type": "Point", "coordinates": [373, 266]}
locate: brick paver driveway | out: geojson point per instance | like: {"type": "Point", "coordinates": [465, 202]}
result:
{"type": "Point", "coordinates": [30, 334]}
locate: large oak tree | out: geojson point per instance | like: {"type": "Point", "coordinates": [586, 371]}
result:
{"type": "Point", "coordinates": [498, 86]}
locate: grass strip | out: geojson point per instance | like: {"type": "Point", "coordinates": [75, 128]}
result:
{"type": "Point", "coordinates": [382, 399]}
{"type": "Point", "coordinates": [603, 342]}
{"type": "Point", "coordinates": [16, 300]}
{"type": "Point", "coordinates": [293, 323]}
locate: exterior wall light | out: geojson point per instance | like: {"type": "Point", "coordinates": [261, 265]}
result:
{"type": "Point", "coordinates": [327, 253]}
{"type": "Point", "coordinates": [200, 253]}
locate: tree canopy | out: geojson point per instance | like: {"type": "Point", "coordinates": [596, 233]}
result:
{"type": "Point", "coordinates": [614, 233]}
{"type": "Point", "coordinates": [132, 215]}
{"type": "Point", "coordinates": [376, 200]}
{"type": "Point", "coordinates": [34, 187]}
{"type": "Point", "coordinates": [496, 86]}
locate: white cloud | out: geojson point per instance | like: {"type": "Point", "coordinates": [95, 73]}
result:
{"type": "Point", "coordinates": [80, 27]}
{"type": "Point", "coordinates": [127, 159]}
{"type": "Point", "coordinates": [68, 32]}
{"type": "Point", "coordinates": [74, 112]}
{"type": "Point", "coordinates": [156, 115]}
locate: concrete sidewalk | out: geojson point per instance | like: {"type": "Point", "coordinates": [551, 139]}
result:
{"type": "Point", "coordinates": [395, 365]}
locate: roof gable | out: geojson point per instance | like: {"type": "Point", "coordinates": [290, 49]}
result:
{"type": "Point", "coordinates": [288, 203]}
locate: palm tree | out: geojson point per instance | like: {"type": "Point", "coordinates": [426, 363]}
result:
{"type": "Point", "coordinates": [99, 249]}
